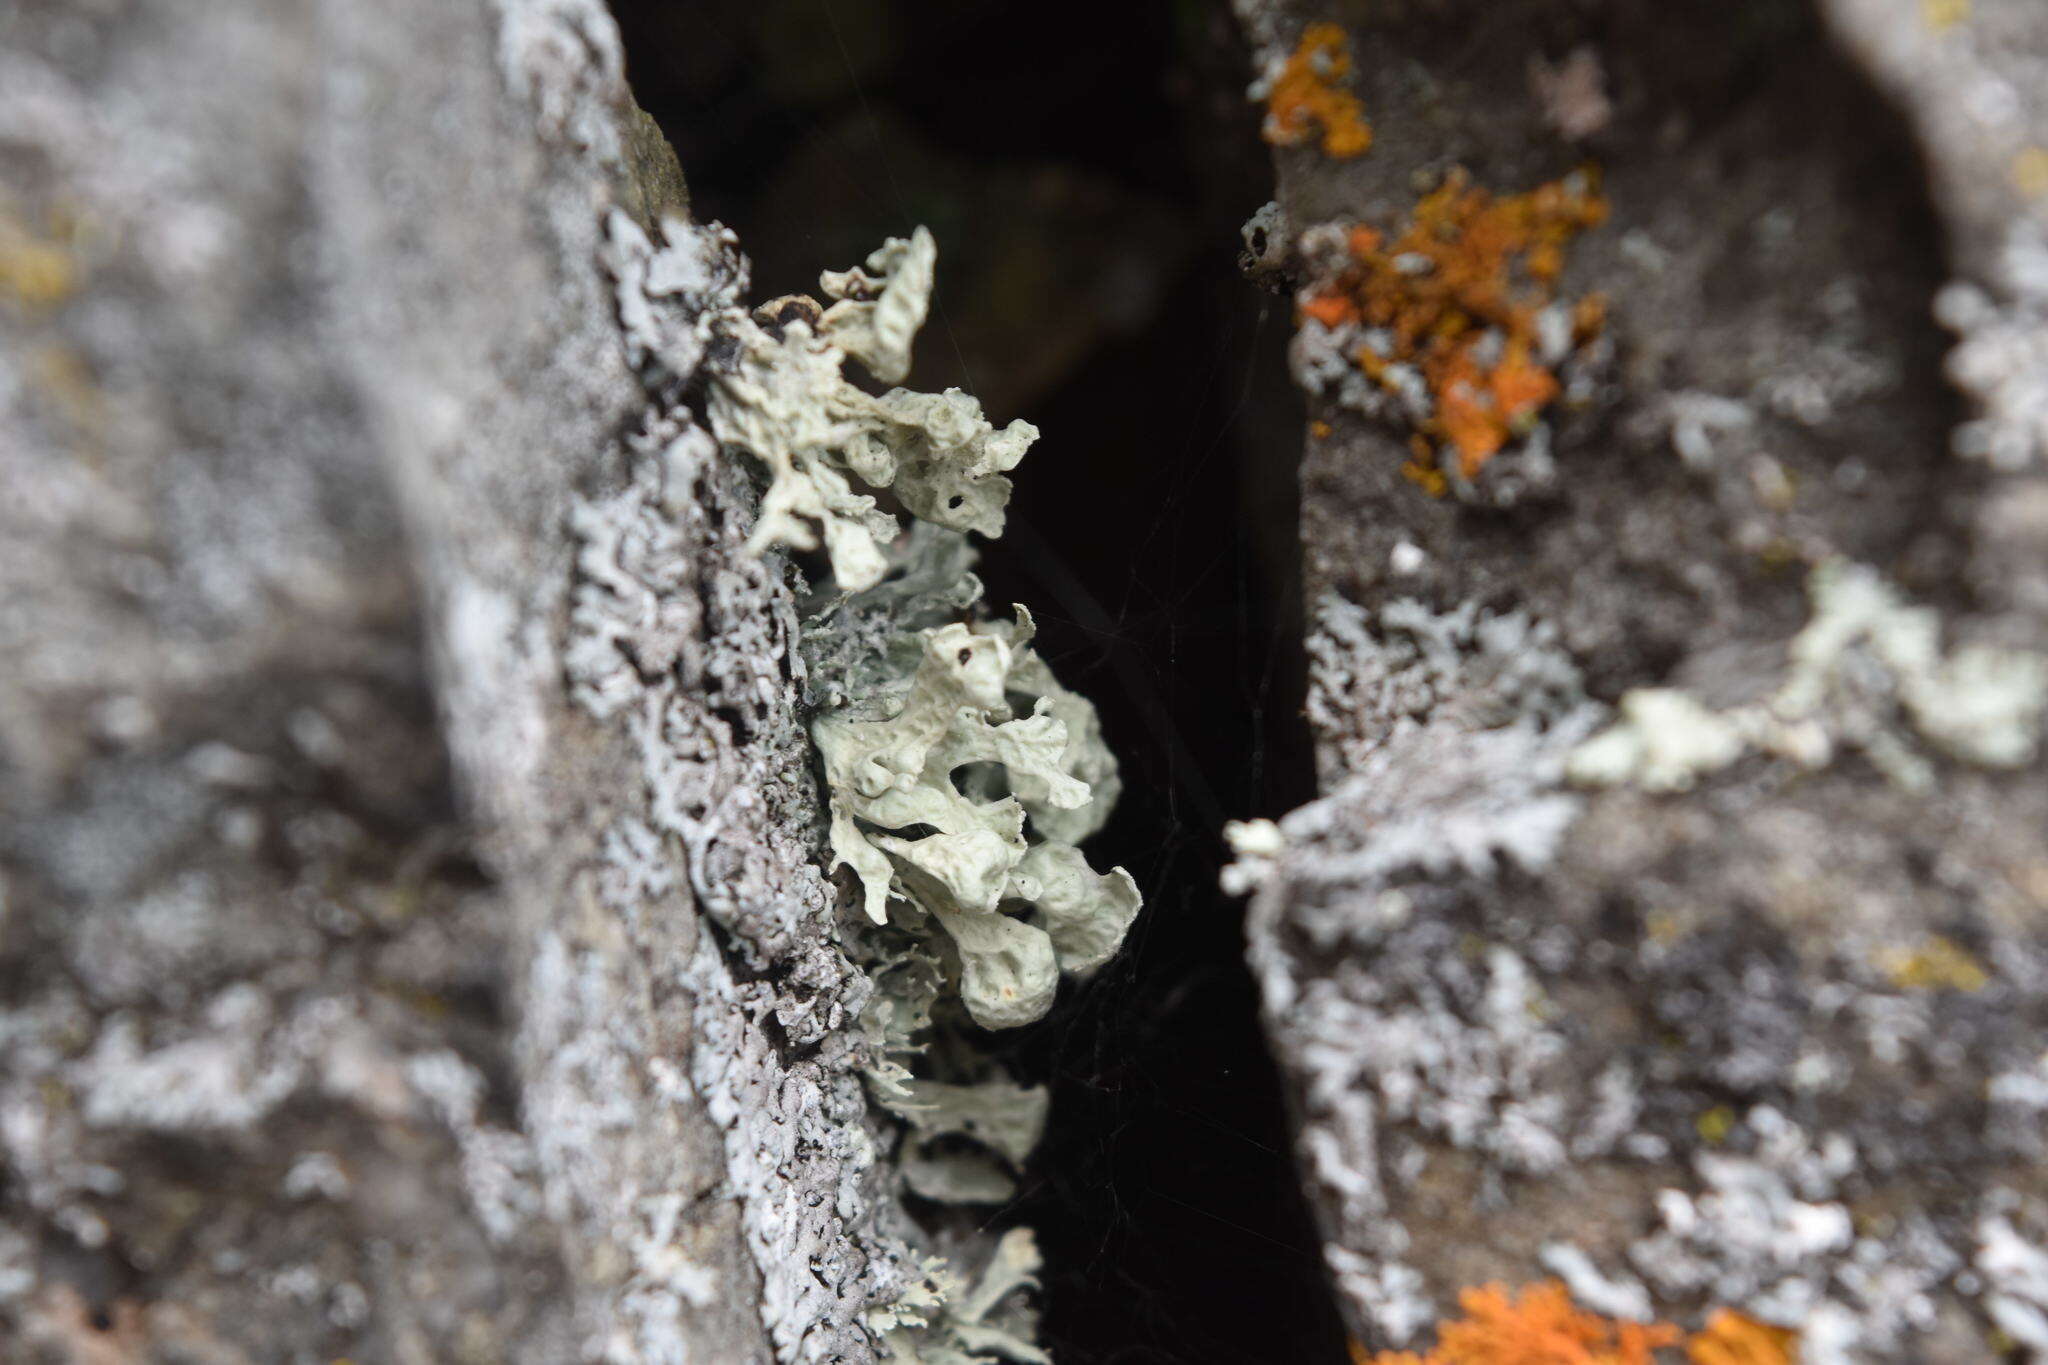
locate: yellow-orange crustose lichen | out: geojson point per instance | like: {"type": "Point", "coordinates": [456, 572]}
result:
{"type": "Point", "coordinates": [1938, 964]}
{"type": "Point", "coordinates": [1541, 1326]}
{"type": "Point", "coordinates": [1732, 1338]}
{"type": "Point", "coordinates": [1465, 297]}
{"type": "Point", "coordinates": [33, 271]}
{"type": "Point", "coordinates": [1305, 97]}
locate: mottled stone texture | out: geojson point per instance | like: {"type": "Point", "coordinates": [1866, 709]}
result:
{"type": "Point", "coordinates": [1771, 1043]}
{"type": "Point", "coordinates": [396, 968]}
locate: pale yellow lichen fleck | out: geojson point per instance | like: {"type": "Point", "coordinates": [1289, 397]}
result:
{"type": "Point", "coordinates": [62, 379]}
{"type": "Point", "coordinates": [32, 271]}
{"type": "Point", "coordinates": [1937, 964]}
{"type": "Point", "coordinates": [2030, 172]}
{"type": "Point", "coordinates": [1664, 927]}
{"type": "Point", "coordinates": [1715, 1125]}
{"type": "Point", "coordinates": [1943, 15]}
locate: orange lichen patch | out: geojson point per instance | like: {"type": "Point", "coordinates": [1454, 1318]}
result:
{"type": "Point", "coordinates": [1538, 1326]}
{"type": "Point", "coordinates": [1332, 310]}
{"type": "Point", "coordinates": [1732, 1338]}
{"type": "Point", "coordinates": [1541, 1326]}
{"type": "Point", "coordinates": [1306, 97]}
{"type": "Point", "coordinates": [1458, 296]}
{"type": "Point", "coordinates": [1428, 479]}
{"type": "Point", "coordinates": [1420, 470]}
{"type": "Point", "coordinates": [1319, 429]}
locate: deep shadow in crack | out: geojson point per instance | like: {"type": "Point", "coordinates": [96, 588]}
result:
{"type": "Point", "coordinates": [1085, 168]}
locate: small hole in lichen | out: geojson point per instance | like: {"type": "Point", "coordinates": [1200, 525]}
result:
{"type": "Point", "coordinates": [966, 656]}
{"type": "Point", "coordinates": [981, 781]}
{"type": "Point", "coordinates": [100, 1319]}
{"type": "Point", "coordinates": [953, 503]}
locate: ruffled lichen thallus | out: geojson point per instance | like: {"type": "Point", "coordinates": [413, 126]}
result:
{"type": "Point", "coordinates": [962, 775]}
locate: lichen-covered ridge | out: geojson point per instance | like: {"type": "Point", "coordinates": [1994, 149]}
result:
{"type": "Point", "coordinates": [944, 801]}
{"type": "Point", "coordinates": [960, 775]}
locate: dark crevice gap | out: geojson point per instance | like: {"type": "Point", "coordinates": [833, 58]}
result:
{"type": "Point", "coordinates": [1085, 168]}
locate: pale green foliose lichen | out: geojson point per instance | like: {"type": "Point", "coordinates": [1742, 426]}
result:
{"type": "Point", "coordinates": [949, 803]}
{"type": "Point", "coordinates": [1001, 1116]}
{"type": "Point", "coordinates": [935, 1322]}
{"type": "Point", "coordinates": [876, 317]}
{"type": "Point", "coordinates": [965, 1138]}
{"type": "Point", "coordinates": [962, 776]}
{"type": "Point", "coordinates": [1863, 660]}
{"type": "Point", "coordinates": [783, 399]}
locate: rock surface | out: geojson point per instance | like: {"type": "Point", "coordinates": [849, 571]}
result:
{"type": "Point", "coordinates": [416, 940]}
{"type": "Point", "coordinates": [1763, 1037]}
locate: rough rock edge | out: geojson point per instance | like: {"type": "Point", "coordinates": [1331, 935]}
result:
{"type": "Point", "coordinates": [709, 684]}
{"type": "Point", "coordinates": [622, 693]}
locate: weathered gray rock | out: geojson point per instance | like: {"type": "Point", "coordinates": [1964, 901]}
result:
{"type": "Point", "coordinates": [1731, 995]}
{"type": "Point", "coordinates": [335, 508]}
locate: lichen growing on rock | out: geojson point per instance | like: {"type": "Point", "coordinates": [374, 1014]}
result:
{"type": "Point", "coordinates": [782, 399]}
{"type": "Point", "coordinates": [2001, 353]}
{"type": "Point", "coordinates": [940, 1323]}
{"type": "Point", "coordinates": [958, 852]}
{"type": "Point", "coordinates": [961, 777]}
{"type": "Point", "coordinates": [1866, 669]}
{"type": "Point", "coordinates": [1451, 329]}
{"type": "Point", "coordinates": [1306, 101]}
{"type": "Point", "coordinates": [1540, 1325]}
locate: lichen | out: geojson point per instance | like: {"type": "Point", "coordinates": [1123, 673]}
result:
{"type": "Point", "coordinates": [1388, 911]}
{"type": "Point", "coordinates": [782, 399]}
{"type": "Point", "coordinates": [876, 316]}
{"type": "Point", "coordinates": [1540, 1325]}
{"type": "Point", "coordinates": [1306, 101]}
{"type": "Point", "coordinates": [961, 777]}
{"type": "Point", "coordinates": [1450, 329]}
{"type": "Point", "coordinates": [1866, 669]}
{"type": "Point", "coordinates": [1732, 1338]}
{"type": "Point", "coordinates": [1372, 676]}
{"type": "Point", "coordinates": [2001, 354]}
{"type": "Point", "coordinates": [932, 801]}
{"type": "Point", "coordinates": [778, 392]}
{"type": "Point", "coordinates": [937, 1322]}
